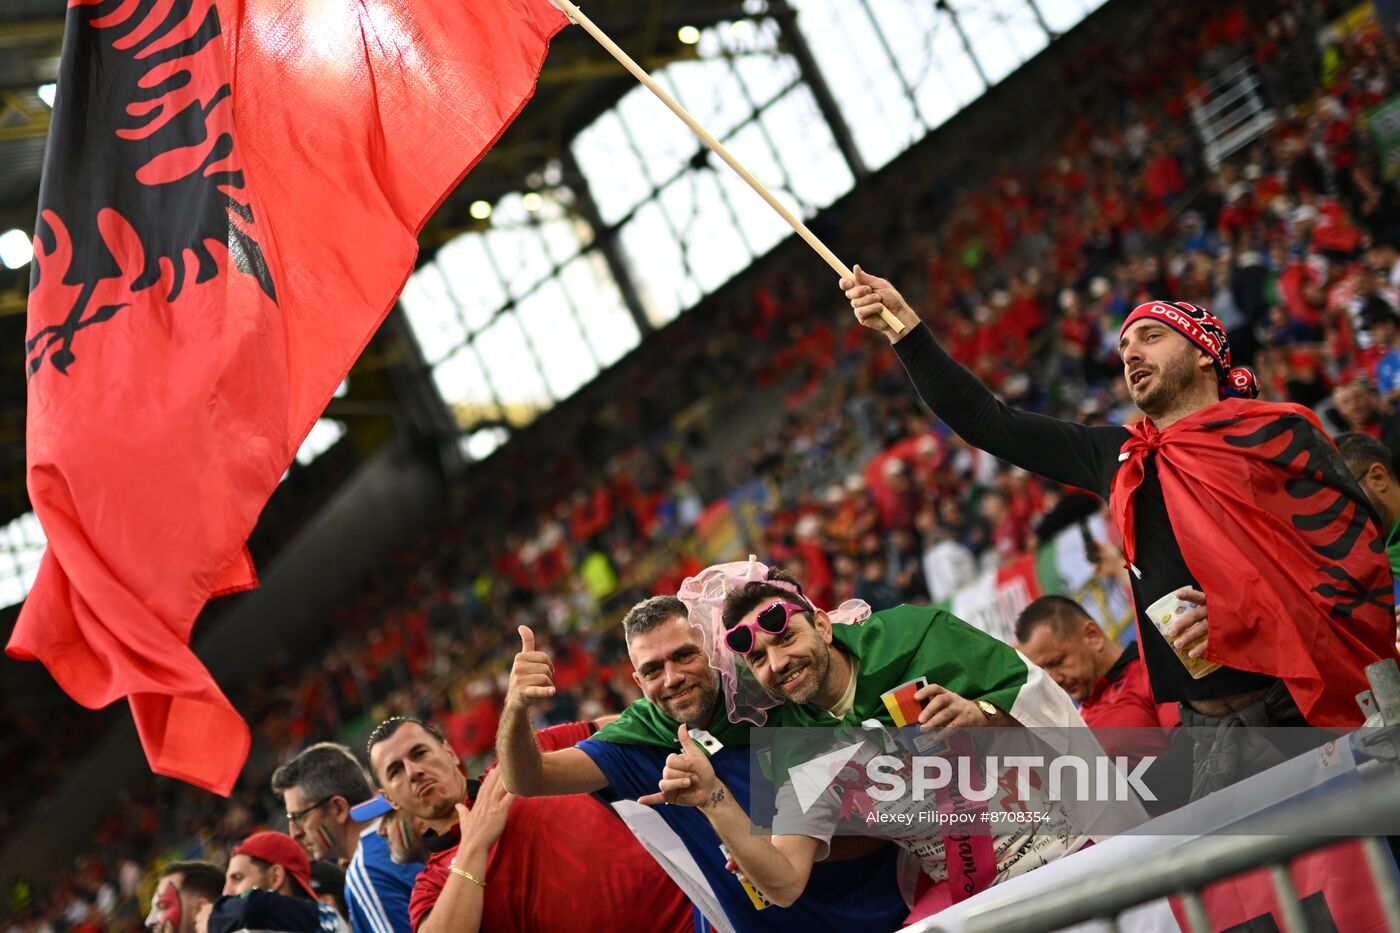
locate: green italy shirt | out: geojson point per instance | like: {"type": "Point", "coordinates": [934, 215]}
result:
{"type": "Point", "coordinates": [905, 643]}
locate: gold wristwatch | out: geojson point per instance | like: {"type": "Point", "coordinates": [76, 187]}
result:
{"type": "Point", "coordinates": [987, 709]}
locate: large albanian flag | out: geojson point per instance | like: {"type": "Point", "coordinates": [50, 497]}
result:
{"type": "Point", "coordinates": [230, 204]}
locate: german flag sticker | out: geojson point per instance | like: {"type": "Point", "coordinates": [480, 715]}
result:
{"type": "Point", "coordinates": [900, 702]}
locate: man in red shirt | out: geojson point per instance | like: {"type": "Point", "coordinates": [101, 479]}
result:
{"type": "Point", "coordinates": [1110, 684]}
{"type": "Point", "coordinates": [1358, 409]}
{"type": "Point", "coordinates": [504, 864]}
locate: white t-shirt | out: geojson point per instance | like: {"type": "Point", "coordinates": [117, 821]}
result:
{"type": "Point", "coordinates": [1029, 833]}
{"type": "Point", "coordinates": [948, 566]}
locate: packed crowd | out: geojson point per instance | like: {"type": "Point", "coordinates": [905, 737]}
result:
{"type": "Point", "coordinates": [1292, 243]}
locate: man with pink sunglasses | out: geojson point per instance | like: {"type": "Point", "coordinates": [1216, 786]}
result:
{"type": "Point", "coordinates": [816, 674]}
{"type": "Point", "coordinates": [853, 890]}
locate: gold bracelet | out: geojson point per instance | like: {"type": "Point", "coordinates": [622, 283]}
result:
{"type": "Point", "coordinates": [466, 874]}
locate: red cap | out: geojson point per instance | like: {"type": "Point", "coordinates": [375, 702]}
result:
{"type": "Point", "coordinates": [279, 849]}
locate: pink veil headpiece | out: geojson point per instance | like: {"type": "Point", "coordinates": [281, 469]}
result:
{"type": "Point", "coordinates": [704, 594]}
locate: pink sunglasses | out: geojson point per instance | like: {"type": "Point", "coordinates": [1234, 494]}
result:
{"type": "Point", "coordinates": [773, 620]}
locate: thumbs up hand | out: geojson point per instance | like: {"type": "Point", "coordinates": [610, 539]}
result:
{"type": "Point", "coordinates": [688, 780]}
{"type": "Point", "coordinates": [532, 674]}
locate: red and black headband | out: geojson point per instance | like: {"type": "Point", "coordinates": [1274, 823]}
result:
{"type": "Point", "coordinates": [1205, 331]}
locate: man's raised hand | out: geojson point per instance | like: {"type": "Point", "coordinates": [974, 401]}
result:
{"type": "Point", "coordinates": [483, 824]}
{"type": "Point", "coordinates": [532, 674]}
{"type": "Point", "coordinates": [688, 780]}
{"type": "Point", "coordinates": [869, 294]}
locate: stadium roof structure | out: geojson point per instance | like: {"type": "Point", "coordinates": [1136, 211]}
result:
{"type": "Point", "coordinates": [578, 82]}
{"type": "Point", "coordinates": [597, 217]}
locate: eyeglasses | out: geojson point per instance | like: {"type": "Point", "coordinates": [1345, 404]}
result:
{"type": "Point", "coordinates": [773, 620]}
{"type": "Point", "coordinates": [294, 819]}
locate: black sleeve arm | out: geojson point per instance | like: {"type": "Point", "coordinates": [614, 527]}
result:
{"type": "Point", "coordinates": [1057, 450]}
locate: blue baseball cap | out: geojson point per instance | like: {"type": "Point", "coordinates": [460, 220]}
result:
{"type": "Point", "coordinates": [372, 808]}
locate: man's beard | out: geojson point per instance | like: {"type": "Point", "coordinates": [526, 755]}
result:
{"type": "Point", "coordinates": [819, 665]}
{"type": "Point", "coordinates": [696, 710]}
{"type": "Point", "coordinates": [1168, 382]}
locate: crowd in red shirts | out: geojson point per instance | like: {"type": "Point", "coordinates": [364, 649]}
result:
{"type": "Point", "coordinates": [776, 425]}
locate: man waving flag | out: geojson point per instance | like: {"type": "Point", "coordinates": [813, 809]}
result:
{"type": "Point", "coordinates": [230, 205]}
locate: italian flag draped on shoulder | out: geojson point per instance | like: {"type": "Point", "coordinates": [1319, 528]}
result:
{"type": "Point", "coordinates": [894, 647]}
{"type": "Point", "coordinates": [642, 723]}
{"type": "Point", "coordinates": [902, 644]}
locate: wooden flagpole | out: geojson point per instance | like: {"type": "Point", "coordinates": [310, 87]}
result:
{"type": "Point", "coordinates": [575, 14]}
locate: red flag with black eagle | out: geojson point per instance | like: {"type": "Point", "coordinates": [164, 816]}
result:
{"type": "Point", "coordinates": [230, 205]}
{"type": "Point", "coordinates": [1282, 542]}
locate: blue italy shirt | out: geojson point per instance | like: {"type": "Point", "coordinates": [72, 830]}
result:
{"type": "Point", "coordinates": [377, 889]}
{"type": "Point", "coordinates": [857, 894]}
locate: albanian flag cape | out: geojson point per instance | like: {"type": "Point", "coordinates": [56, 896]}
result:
{"type": "Point", "coordinates": [230, 203]}
{"type": "Point", "coordinates": [1282, 542]}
